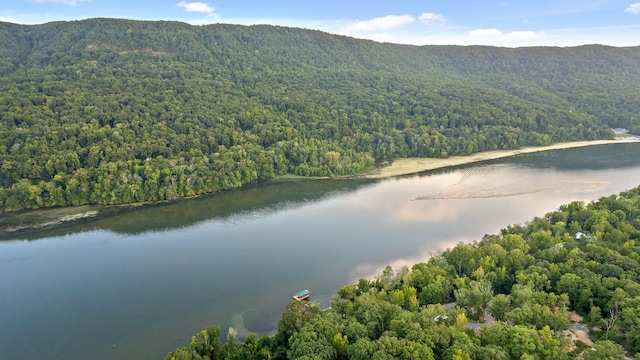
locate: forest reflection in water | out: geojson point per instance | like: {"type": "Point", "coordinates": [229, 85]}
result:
{"type": "Point", "coordinates": [147, 280]}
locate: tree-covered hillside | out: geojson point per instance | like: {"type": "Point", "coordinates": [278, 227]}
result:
{"type": "Point", "coordinates": [508, 296]}
{"type": "Point", "coordinates": [108, 111]}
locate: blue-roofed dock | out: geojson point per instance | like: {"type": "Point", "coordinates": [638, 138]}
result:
{"type": "Point", "coordinates": [301, 295]}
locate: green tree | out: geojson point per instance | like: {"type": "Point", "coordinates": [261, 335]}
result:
{"type": "Point", "coordinates": [499, 306]}
{"type": "Point", "coordinates": [605, 350]}
{"type": "Point", "coordinates": [475, 298]}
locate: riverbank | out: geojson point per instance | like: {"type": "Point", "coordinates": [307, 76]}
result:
{"type": "Point", "coordinates": [31, 221]}
{"type": "Point", "coordinates": [20, 222]}
{"type": "Point", "coordinates": [408, 166]}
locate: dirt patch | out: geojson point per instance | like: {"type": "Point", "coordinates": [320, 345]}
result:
{"type": "Point", "coordinates": [573, 316]}
{"type": "Point", "coordinates": [577, 335]}
{"type": "Point", "coordinates": [415, 165]}
{"type": "Point", "coordinates": [33, 220]}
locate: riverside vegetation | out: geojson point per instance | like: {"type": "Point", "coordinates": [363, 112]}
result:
{"type": "Point", "coordinates": [519, 284]}
{"type": "Point", "coordinates": [106, 111]}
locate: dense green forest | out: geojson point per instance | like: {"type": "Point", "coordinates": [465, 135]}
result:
{"type": "Point", "coordinates": [516, 287]}
{"type": "Point", "coordinates": [107, 111]}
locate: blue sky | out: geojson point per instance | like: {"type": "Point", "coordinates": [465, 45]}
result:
{"type": "Point", "coordinates": [471, 22]}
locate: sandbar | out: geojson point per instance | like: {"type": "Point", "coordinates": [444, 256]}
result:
{"type": "Point", "coordinates": [406, 166]}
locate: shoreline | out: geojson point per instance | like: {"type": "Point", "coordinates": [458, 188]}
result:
{"type": "Point", "coordinates": [31, 221]}
{"type": "Point", "coordinates": [413, 165]}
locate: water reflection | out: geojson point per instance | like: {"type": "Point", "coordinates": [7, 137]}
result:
{"type": "Point", "coordinates": [251, 202]}
{"type": "Point", "coordinates": [500, 177]}
{"type": "Point", "coordinates": [148, 280]}
{"type": "Point", "coordinates": [509, 180]}
{"type": "Point", "coordinates": [601, 157]}
{"type": "Point", "coordinates": [399, 195]}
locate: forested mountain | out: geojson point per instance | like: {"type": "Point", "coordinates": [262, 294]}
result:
{"type": "Point", "coordinates": [107, 111]}
{"type": "Point", "coordinates": [517, 286]}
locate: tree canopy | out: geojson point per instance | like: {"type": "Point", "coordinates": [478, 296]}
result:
{"type": "Point", "coordinates": [106, 111]}
{"type": "Point", "coordinates": [510, 300]}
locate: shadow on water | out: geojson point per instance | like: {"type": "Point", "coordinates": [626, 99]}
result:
{"type": "Point", "coordinates": [487, 179]}
{"type": "Point", "coordinates": [279, 195]}
{"type": "Point", "coordinates": [148, 279]}
{"type": "Point", "coordinates": [601, 157]}
{"type": "Point", "coordinates": [271, 196]}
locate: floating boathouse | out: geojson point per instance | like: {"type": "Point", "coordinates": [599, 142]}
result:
{"type": "Point", "coordinates": [302, 295]}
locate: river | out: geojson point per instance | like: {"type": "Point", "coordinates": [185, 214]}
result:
{"type": "Point", "coordinates": [136, 285]}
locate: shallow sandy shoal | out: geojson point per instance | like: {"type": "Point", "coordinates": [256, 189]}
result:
{"type": "Point", "coordinates": [414, 165]}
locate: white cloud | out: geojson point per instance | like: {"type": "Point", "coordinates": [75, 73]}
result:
{"type": "Point", "coordinates": [66, 2]}
{"type": "Point", "coordinates": [522, 35]}
{"type": "Point", "coordinates": [485, 33]}
{"type": "Point", "coordinates": [382, 23]}
{"type": "Point", "coordinates": [8, 19]}
{"type": "Point", "coordinates": [200, 7]}
{"type": "Point", "coordinates": [196, 7]}
{"type": "Point", "coordinates": [432, 18]}
{"type": "Point", "coordinates": [416, 33]}
{"type": "Point", "coordinates": [633, 9]}
{"type": "Point", "coordinates": [382, 37]}
{"type": "Point", "coordinates": [495, 33]}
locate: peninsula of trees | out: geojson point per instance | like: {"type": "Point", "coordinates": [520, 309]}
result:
{"type": "Point", "coordinates": [508, 296]}
{"type": "Point", "coordinates": [107, 111]}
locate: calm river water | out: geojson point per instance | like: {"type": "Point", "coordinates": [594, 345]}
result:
{"type": "Point", "coordinates": [137, 285]}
